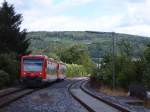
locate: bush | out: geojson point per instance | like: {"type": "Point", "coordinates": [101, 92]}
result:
{"type": "Point", "coordinates": [146, 71]}
{"type": "Point", "coordinates": [9, 64]}
{"type": "Point", "coordinates": [146, 77]}
{"type": "Point", "coordinates": [4, 78]}
{"type": "Point", "coordinates": [74, 70]}
{"type": "Point", "coordinates": [126, 74]}
{"type": "Point", "coordinates": [127, 71]}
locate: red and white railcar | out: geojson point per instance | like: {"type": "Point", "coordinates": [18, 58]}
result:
{"type": "Point", "coordinates": [39, 68]}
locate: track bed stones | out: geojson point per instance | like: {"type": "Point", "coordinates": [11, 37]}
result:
{"type": "Point", "coordinates": [54, 98]}
{"type": "Point", "coordinates": [12, 94]}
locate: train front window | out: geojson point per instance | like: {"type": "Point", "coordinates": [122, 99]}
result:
{"type": "Point", "coordinates": [32, 64]}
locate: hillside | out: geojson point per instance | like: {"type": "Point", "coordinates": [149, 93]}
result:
{"type": "Point", "coordinates": [97, 44]}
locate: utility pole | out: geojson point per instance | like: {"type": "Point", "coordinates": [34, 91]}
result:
{"type": "Point", "coordinates": [113, 59]}
{"type": "Point", "coordinates": [113, 55]}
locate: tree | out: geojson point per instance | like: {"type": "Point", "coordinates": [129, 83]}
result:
{"type": "Point", "coordinates": [125, 48]}
{"type": "Point", "coordinates": [128, 71]}
{"type": "Point", "coordinates": [147, 54]}
{"type": "Point", "coordinates": [77, 54]}
{"type": "Point", "coordinates": [74, 54]}
{"type": "Point", "coordinates": [146, 73]}
{"type": "Point", "coordinates": [12, 39]}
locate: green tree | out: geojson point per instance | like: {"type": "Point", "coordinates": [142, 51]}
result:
{"type": "Point", "coordinates": [9, 64]}
{"type": "Point", "coordinates": [4, 78]}
{"type": "Point", "coordinates": [54, 56]}
{"type": "Point", "coordinates": [74, 70]}
{"type": "Point", "coordinates": [146, 73]}
{"type": "Point", "coordinates": [125, 48]}
{"type": "Point", "coordinates": [77, 54]}
{"type": "Point", "coordinates": [147, 54]}
{"type": "Point", "coordinates": [127, 70]}
{"type": "Point", "coordinates": [74, 54]}
{"type": "Point", "coordinates": [12, 39]}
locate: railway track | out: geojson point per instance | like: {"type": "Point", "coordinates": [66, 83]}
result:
{"type": "Point", "coordinates": [75, 88]}
{"type": "Point", "coordinates": [91, 102]}
{"type": "Point", "coordinates": [12, 94]}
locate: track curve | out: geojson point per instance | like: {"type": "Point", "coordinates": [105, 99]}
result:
{"type": "Point", "coordinates": [90, 102]}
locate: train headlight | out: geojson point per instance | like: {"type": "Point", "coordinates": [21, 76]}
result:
{"type": "Point", "coordinates": [24, 73]}
{"type": "Point", "coordinates": [40, 73]}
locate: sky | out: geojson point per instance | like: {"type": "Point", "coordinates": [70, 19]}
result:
{"type": "Point", "coordinates": [121, 16]}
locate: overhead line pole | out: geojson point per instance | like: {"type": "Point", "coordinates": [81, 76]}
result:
{"type": "Point", "coordinates": [113, 60]}
{"type": "Point", "coordinates": [113, 56]}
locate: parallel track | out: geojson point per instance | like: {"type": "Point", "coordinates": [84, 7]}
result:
{"type": "Point", "coordinates": [82, 103]}
{"type": "Point", "coordinates": [120, 108]}
{"type": "Point", "coordinates": [88, 107]}
{"type": "Point", "coordinates": [13, 95]}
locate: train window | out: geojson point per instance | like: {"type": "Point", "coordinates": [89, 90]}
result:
{"type": "Point", "coordinates": [33, 64]}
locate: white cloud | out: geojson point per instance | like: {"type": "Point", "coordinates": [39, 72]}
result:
{"type": "Point", "coordinates": [47, 15]}
{"type": "Point", "coordinates": [139, 12]}
{"type": "Point", "coordinates": [72, 23]}
{"type": "Point", "coordinates": [74, 2]}
{"type": "Point", "coordinates": [65, 5]}
{"type": "Point", "coordinates": [16, 2]}
{"type": "Point", "coordinates": [43, 2]}
{"type": "Point", "coordinates": [137, 19]}
{"type": "Point", "coordinates": [79, 2]}
{"type": "Point", "coordinates": [135, 29]}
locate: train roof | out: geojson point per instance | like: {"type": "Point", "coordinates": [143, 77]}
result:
{"type": "Point", "coordinates": [59, 62]}
{"type": "Point", "coordinates": [62, 63]}
{"type": "Point", "coordinates": [43, 56]}
{"type": "Point", "coordinates": [34, 56]}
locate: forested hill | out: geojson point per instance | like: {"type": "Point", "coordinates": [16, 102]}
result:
{"type": "Point", "coordinates": [97, 43]}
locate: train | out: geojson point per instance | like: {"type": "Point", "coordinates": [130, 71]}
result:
{"type": "Point", "coordinates": [36, 69]}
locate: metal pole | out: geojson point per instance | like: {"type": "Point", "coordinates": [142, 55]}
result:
{"type": "Point", "coordinates": [99, 63]}
{"type": "Point", "coordinates": [113, 59]}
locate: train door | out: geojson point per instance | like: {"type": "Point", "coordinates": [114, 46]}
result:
{"type": "Point", "coordinates": [51, 70]}
{"type": "Point", "coordinates": [62, 71]}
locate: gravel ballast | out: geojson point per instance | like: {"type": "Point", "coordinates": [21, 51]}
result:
{"type": "Point", "coordinates": [52, 99]}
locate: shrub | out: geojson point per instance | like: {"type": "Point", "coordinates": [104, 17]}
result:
{"type": "Point", "coordinates": [146, 71]}
{"type": "Point", "coordinates": [9, 64]}
{"type": "Point", "coordinates": [74, 70]}
{"type": "Point", "coordinates": [126, 74]}
{"type": "Point", "coordinates": [146, 77]}
{"type": "Point", "coordinates": [127, 71]}
{"type": "Point", "coordinates": [4, 78]}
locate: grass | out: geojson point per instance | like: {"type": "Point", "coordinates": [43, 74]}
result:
{"type": "Point", "coordinates": [113, 92]}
